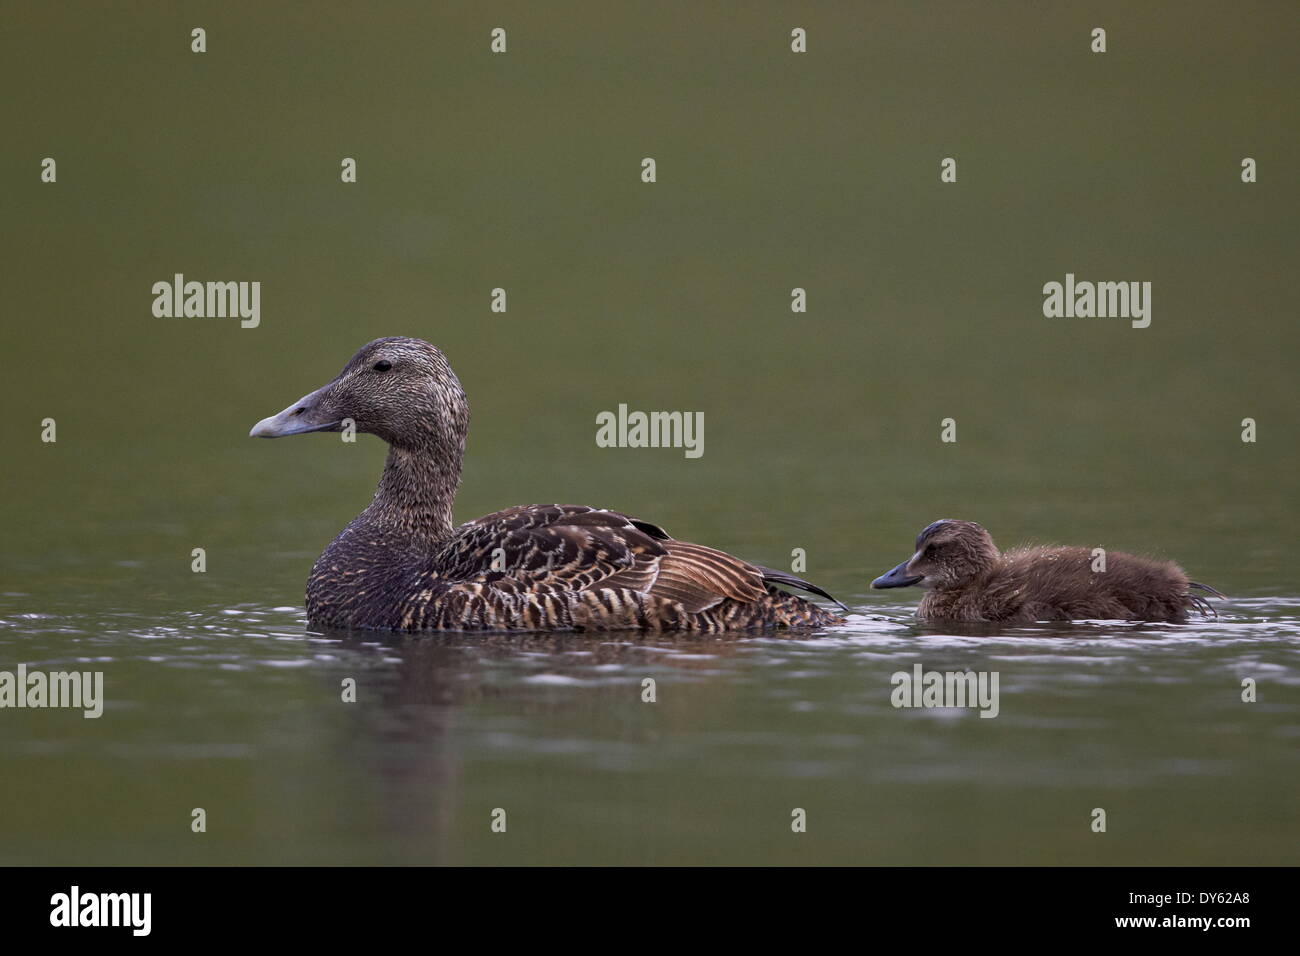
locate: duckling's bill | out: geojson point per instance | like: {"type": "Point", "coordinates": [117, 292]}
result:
{"type": "Point", "coordinates": [898, 577]}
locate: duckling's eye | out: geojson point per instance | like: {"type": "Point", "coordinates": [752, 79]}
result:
{"type": "Point", "coordinates": [383, 365]}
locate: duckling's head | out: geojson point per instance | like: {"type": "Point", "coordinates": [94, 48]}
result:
{"type": "Point", "coordinates": [398, 388]}
{"type": "Point", "coordinates": [948, 554]}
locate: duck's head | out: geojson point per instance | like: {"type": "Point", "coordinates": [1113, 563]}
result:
{"type": "Point", "coordinates": [948, 554]}
{"type": "Point", "coordinates": [398, 388]}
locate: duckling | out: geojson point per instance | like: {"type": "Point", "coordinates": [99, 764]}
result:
{"type": "Point", "coordinates": [967, 579]}
{"type": "Point", "coordinates": [403, 565]}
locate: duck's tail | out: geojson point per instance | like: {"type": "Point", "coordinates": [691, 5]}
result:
{"type": "Point", "coordinates": [1200, 603]}
{"type": "Point", "coordinates": [790, 581]}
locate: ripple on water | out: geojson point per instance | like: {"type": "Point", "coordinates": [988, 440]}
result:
{"type": "Point", "coordinates": [1255, 637]}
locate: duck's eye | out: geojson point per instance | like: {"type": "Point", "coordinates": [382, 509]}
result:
{"type": "Point", "coordinates": [383, 365]}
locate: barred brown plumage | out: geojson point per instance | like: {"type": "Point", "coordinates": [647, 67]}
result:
{"type": "Point", "coordinates": [402, 565]}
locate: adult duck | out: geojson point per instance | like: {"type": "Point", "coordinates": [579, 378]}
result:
{"type": "Point", "coordinates": [967, 579]}
{"type": "Point", "coordinates": [402, 565]}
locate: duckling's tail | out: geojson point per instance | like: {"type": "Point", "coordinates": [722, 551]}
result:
{"type": "Point", "coordinates": [1200, 603]}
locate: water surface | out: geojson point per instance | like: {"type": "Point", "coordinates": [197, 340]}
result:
{"type": "Point", "coordinates": [237, 710]}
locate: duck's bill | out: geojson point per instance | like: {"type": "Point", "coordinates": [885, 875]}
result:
{"type": "Point", "coordinates": [897, 578]}
{"type": "Point", "coordinates": [298, 419]}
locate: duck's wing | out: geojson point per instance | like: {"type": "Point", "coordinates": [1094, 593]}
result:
{"type": "Point", "coordinates": [570, 546]}
{"type": "Point", "coordinates": [694, 576]}
{"type": "Point", "coordinates": [589, 549]}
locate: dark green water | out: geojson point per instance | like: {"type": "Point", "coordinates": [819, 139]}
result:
{"type": "Point", "coordinates": [822, 429]}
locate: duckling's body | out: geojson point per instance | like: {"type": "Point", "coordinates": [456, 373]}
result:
{"type": "Point", "coordinates": [1058, 584]}
{"type": "Point", "coordinates": [402, 565]}
{"type": "Point", "coordinates": [968, 580]}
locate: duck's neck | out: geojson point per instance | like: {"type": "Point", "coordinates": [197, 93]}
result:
{"type": "Point", "coordinates": [416, 492]}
